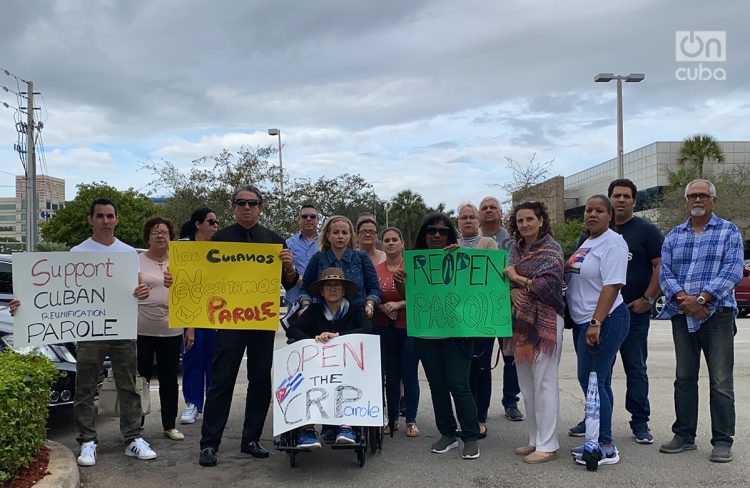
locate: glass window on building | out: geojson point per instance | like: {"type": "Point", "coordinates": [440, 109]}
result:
{"type": "Point", "coordinates": [7, 218]}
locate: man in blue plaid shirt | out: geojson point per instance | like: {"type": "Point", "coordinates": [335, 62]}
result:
{"type": "Point", "coordinates": [701, 265]}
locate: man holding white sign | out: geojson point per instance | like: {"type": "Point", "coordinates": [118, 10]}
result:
{"type": "Point", "coordinates": [91, 350]}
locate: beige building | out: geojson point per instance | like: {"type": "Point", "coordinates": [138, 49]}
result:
{"type": "Point", "coordinates": [551, 192]}
{"type": "Point", "coordinates": [51, 197]}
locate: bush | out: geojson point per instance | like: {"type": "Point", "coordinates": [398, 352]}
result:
{"type": "Point", "coordinates": [25, 383]}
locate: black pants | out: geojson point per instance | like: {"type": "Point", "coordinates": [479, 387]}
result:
{"type": "Point", "coordinates": [230, 347]}
{"type": "Point", "coordinates": [167, 352]}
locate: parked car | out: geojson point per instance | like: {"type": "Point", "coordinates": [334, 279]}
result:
{"type": "Point", "coordinates": [741, 294]}
{"type": "Point", "coordinates": [6, 278]}
{"type": "Point", "coordinates": [61, 355]}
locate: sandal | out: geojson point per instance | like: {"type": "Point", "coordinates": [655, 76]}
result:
{"type": "Point", "coordinates": [412, 430]}
{"type": "Point", "coordinates": [387, 429]}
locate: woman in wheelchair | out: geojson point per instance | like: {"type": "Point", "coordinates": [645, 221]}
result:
{"type": "Point", "coordinates": [330, 317]}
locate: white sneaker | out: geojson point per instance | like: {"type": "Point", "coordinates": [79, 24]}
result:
{"type": "Point", "coordinates": [140, 448]}
{"type": "Point", "coordinates": [190, 415]}
{"type": "Point", "coordinates": [88, 454]}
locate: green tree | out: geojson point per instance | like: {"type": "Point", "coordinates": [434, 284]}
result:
{"type": "Point", "coordinates": [697, 150]}
{"type": "Point", "coordinates": [567, 234]}
{"type": "Point", "coordinates": [70, 226]}
{"type": "Point", "coordinates": [406, 212]}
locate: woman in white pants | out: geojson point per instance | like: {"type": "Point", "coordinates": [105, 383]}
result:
{"type": "Point", "coordinates": [536, 275]}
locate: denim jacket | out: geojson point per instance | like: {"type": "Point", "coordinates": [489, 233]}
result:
{"type": "Point", "coordinates": [357, 267]}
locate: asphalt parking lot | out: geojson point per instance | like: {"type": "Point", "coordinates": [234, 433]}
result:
{"type": "Point", "coordinates": [405, 461]}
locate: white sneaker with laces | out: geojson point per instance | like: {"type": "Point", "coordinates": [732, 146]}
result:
{"type": "Point", "coordinates": [88, 454]}
{"type": "Point", "coordinates": [190, 415]}
{"type": "Point", "coordinates": [140, 448]}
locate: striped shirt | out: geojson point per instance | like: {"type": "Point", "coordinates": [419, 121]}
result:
{"type": "Point", "coordinates": [710, 262]}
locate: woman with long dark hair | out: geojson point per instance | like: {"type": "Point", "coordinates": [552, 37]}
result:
{"type": "Point", "coordinates": [447, 361]}
{"type": "Point", "coordinates": [198, 345]}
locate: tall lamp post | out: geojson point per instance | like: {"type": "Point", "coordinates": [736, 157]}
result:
{"type": "Point", "coordinates": [277, 132]}
{"type": "Point", "coordinates": [631, 78]}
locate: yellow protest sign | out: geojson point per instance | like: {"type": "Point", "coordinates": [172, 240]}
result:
{"type": "Point", "coordinates": [224, 285]}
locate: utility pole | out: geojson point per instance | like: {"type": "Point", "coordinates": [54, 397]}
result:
{"type": "Point", "coordinates": [32, 201]}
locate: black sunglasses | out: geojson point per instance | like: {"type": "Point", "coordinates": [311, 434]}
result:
{"type": "Point", "coordinates": [212, 221]}
{"type": "Point", "coordinates": [308, 216]}
{"type": "Point", "coordinates": [241, 202]}
{"type": "Point", "coordinates": [432, 230]}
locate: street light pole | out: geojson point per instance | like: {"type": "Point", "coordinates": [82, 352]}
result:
{"type": "Point", "coordinates": [277, 132]}
{"type": "Point", "coordinates": [631, 78]}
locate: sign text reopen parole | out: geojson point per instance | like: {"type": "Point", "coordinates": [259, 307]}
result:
{"type": "Point", "coordinates": [333, 383]}
{"type": "Point", "coordinates": [68, 297]}
{"type": "Point", "coordinates": [224, 285]}
{"type": "Point", "coordinates": [462, 293]}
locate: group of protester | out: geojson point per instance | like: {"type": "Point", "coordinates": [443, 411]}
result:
{"type": "Point", "coordinates": [342, 279]}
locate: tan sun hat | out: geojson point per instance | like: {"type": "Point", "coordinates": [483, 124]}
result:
{"type": "Point", "coordinates": [332, 274]}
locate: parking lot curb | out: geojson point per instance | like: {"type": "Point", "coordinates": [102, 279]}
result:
{"type": "Point", "coordinates": [62, 468]}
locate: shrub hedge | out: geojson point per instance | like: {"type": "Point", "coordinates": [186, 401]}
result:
{"type": "Point", "coordinates": [25, 383]}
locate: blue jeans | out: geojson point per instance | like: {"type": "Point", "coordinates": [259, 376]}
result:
{"type": "Point", "coordinates": [600, 358]}
{"type": "Point", "coordinates": [196, 367]}
{"type": "Point", "coordinates": [511, 388]}
{"type": "Point", "coordinates": [400, 364]}
{"type": "Point", "coordinates": [716, 339]}
{"type": "Point", "coordinates": [634, 353]}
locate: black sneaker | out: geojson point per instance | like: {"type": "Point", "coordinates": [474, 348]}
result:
{"type": "Point", "coordinates": [578, 430]}
{"type": "Point", "coordinates": [512, 413]}
{"type": "Point", "coordinates": [676, 445]}
{"type": "Point", "coordinates": [721, 453]}
{"type": "Point", "coordinates": [642, 434]}
{"type": "Point", "coordinates": [207, 457]}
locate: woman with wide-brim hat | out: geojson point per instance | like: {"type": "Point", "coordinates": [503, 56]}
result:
{"type": "Point", "coordinates": [333, 315]}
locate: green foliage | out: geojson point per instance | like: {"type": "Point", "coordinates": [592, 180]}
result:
{"type": "Point", "coordinates": [406, 212]}
{"type": "Point", "coordinates": [210, 181]}
{"type": "Point", "coordinates": [698, 149]}
{"type": "Point", "coordinates": [25, 383]}
{"type": "Point", "coordinates": [45, 246]}
{"type": "Point", "coordinates": [70, 224]}
{"type": "Point", "coordinates": [567, 234]}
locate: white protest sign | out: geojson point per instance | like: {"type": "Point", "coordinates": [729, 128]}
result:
{"type": "Point", "coordinates": [333, 383]}
{"type": "Point", "coordinates": [74, 296]}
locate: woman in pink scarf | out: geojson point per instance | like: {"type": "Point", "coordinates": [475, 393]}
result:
{"type": "Point", "coordinates": [536, 275]}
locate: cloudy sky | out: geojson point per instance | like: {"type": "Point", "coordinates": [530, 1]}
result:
{"type": "Point", "coordinates": [427, 95]}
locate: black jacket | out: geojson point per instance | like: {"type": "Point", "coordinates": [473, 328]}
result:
{"type": "Point", "coordinates": [313, 322]}
{"type": "Point", "coordinates": [259, 235]}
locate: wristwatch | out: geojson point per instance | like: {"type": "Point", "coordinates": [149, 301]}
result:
{"type": "Point", "coordinates": [700, 300]}
{"type": "Point", "coordinates": [647, 299]}
{"type": "Point", "coordinates": [594, 323]}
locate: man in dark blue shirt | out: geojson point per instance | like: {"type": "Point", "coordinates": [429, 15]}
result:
{"type": "Point", "coordinates": [641, 289]}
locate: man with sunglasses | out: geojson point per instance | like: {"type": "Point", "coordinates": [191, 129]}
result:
{"type": "Point", "coordinates": [701, 263]}
{"type": "Point", "coordinates": [247, 205]}
{"type": "Point", "coordinates": [491, 224]}
{"type": "Point", "coordinates": [303, 245]}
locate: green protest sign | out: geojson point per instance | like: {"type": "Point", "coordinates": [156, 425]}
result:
{"type": "Point", "coordinates": [462, 293]}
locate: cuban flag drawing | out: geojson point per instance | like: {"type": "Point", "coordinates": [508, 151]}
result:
{"type": "Point", "coordinates": [287, 386]}
{"type": "Point", "coordinates": [576, 260]}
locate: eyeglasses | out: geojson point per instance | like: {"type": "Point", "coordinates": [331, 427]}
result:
{"type": "Point", "coordinates": [212, 221]}
{"type": "Point", "coordinates": [241, 202]}
{"type": "Point", "coordinates": [432, 230]}
{"type": "Point", "coordinates": [308, 216]}
{"type": "Point", "coordinates": [159, 233]}
{"type": "Point", "coordinates": [365, 232]}
{"type": "Point", "coordinates": [333, 285]}
{"type": "Point", "coordinates": [695, 196]}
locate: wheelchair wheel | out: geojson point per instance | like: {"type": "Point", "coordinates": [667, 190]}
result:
{"type": "Point", "coordinates": [292, 459]}
{"type": "Point", "coordinates": [374, 438]}
{"type": "Point", "coordinates": [361, 453]}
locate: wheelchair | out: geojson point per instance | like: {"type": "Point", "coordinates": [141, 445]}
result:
{"type": "Point", "coordinates": [367, 438]}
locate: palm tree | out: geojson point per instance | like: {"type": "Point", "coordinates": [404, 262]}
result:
{"type": "Point", "coordinates": [698, 149]}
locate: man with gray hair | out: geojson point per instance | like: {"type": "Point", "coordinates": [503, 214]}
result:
{"type": "Point", "coordinates": [701, 265]}
{"type": "Point", "coordinates": [247, 205]}
{"type": "Point", "coordinates": [491, 222]}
